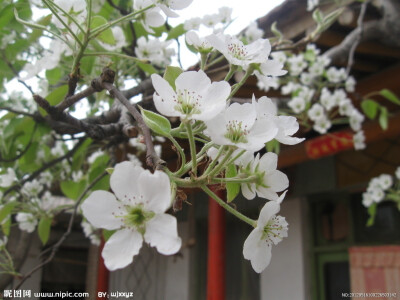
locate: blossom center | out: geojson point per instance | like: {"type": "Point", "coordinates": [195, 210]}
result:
{"type": "Point", "coordinates": [275, 230]}
{"type": "Point", "coordinates": [187, 102]}
{"type": "Point", "coordinates": [236, 131]}
{"type": "Point", "coordinates": [137, 217]}
{"type": "Point", "coordinates": [237, 51]}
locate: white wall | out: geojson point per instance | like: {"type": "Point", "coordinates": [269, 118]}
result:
{"type": "Point", "coordinates": [284, 278]}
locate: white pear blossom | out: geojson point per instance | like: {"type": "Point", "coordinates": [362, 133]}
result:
{"type": "Point", "coordinates": [151, 17]}
{"type": "Point", "coordinates": [271, 68]}
{"type": "Point", "coordinates": [297, 104]}
{"type": "Point", "coordinates": [239, 126]}
{"type": "Point", "coordinates": [90, 233]}
{"type": "Point", "coordinates": [26, 221]}
{"type": "Point", "coordinates": [32, 188]}
{"type": "Point", "coordinates": [75, 8]}
{"type": "Point", "coordinates": [290, 87]}
{"type": "Point", "coordinates": [192, 24]}
{"type": "Point", "coordinates": [8, 178]}
{"type": "Point", "coordinates": [359, 140]}
{"type": "Point", "coordinates": [195, 96]}
{"type": "Point", "coordinates": [297, 64]}
{"type": "Point", "coordinates": [269, 179]}
{"type": "Point", "coordinates": [136, 213]}
{"type": "Point", "coordinates": [287, 125]}
{"type": "Point", "coordinates": [336, 75]}
{"type": "Point", "coordinates": [322, 125]}
{"type": "Point", "coordinates": [265, 82]}
{"type": "Point", "coordinates": [271, 229]}
{"type": "Point", "coordinates": [356, 119]}
{"type": "Point", "coordinates": [397, 173]}
{"type": "Point", "coordinates": [350, 84]}
{"type": "Point", "coordinates": [225, 14]}
{"type": "Point", "coordinates": [211, 20]}
{"type": "Point", "coordinates": [346, 107]}
{"type": "Point", "coordinates": [167, 6]}
{"type": "Point", "coordinates": [367, 199]}
{"type": "Point", "coordinates": [316, 112]}
{"type": "Point", "coordinates": [154, 50]}
{"type": "Point", "coordinates": [253, 33]}
{"type": "Point", "coordinates": [200, 44]}
{"type": "Point", "coordinates": [385, 181]}
{"type": "Point", "coordinates": [279, 56]}
{"type": "Point", "coordinates": [239, 54]}
{"type": "Point", "coordinates": [327, 99]}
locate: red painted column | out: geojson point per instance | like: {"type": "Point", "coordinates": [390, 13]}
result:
{"type": "Point", "coordinates": [216, 249]}
{"type": "Point", "coordinates": [102, 274]}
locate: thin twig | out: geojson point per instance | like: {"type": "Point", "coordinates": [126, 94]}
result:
{"type": "Point", "coordinates": [65, 235]}
{"type": "Point", "coordinates": [360, 28]}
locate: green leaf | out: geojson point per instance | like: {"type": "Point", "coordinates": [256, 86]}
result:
{"type": "Point", "coordinates": [383, 118]}
{"type": "Point", "coordinates": [176, 32]}
{"type": "Point", "coordinates": [6, 226]}
{"type": "Point", "coordinates": [170, 75]}
{"type": "Point", "coordinates": [149, 69]}
{"type": "Point", "coordinates": [72, 189]}
{"type": "Point", "coordinates": [232, 188]}
{"type": "Point", "coordinates": [44, 229]}
{"type": "Point", "coordinates": [54, 75]}
{"type": "Point", "coordinates": [370, 108]}
{"type": "Point", "coordinates": [6, 210]}
{"type": "Point", "coordinates": [156, 122]}
{"type": "Point", "coordinates": [390, 96]}
{"type": "Point", "coordinates": [106, 36]}
{"type": "Point", "coordinates": [55, 97]}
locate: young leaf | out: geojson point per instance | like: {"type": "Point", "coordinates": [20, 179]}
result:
{"type": "Point", "coordinates": [370, 108]}
{"type": "Point", "coordinates": [383, 118]}
{"type": "Point", "coordinates": [72, 189]}
{"type": "Point", "coordinates": [149, 69]}
{"type": "Point", "coordinates": [232, 188]}
{"type": "Point", "coordinates": [390, 96]}
{"type": "Point", "coordinates": [176, 32]}
{"type": "Point", "coordinates": [44, 229]}
{"type": "Point", "coordinates": [106, 36]}
{"type": "Point", "coordinates": [156, 122]}
{"type": "Point", "coordinates": [170, 75]}
{"type": "Point", "coordinates": [6, 210]}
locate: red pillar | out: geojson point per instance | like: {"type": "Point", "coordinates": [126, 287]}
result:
{"type": "Point", "coordinates": [216, 249]}
{"type": "Point", "coordinates": [102, 274]}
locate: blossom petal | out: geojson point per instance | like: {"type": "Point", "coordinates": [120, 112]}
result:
{"type": "Point", "coordinates": [244, 113]}
{"type": "Point", "coordinates": [100, 209]}
{"type": "Point", "coordinates": [270, 209]}
{"type": "Point", "coordinates": [123, 181]}
{"type": "Point", "coordinates": [257, 251]}
{"type": "Point", "coordinates": [193, 81]}
{"type": "Point", "coordinates": [120, 248]}
{"type": "Point", "coordinates": [214, 101]}
{"type": "Point", "coordinates": [268, 162]}
{"type": "Point", "coordinates": [248, 190]}
{"type": "Point", "coordinates": [162, 233]}
{"type": "Point", "coordinates": [154, 18]}
{"type": "Point", "coordinates": [156, 191]}
{"type": "Point", "coordinates": [165, 91]}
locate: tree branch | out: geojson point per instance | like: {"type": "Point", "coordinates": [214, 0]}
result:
{"type": "Point", "coordinates": [152, 159]}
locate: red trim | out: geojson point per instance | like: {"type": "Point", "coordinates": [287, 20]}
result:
{"type": "Point", "coordinates": [102, 273]}
{"type": "Point", "coordinates": [216, 249]}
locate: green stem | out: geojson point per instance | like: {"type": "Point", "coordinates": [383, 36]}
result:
{"type": "Point", "coordinates": [98, 53]}
{"type": "Point", "coordinates": [104, 27]}
{"type": "Point", "coordinates": [236, 157]}
{"type": "Point", "coordinates": [222, 164]}
{"type": "Point", "coordinates": [250, 179]}
{"type": "Point", "coordinates": [232, 70]}
{"type": "Point", "coordinates": [215, 160]}
{"type": "Point", "coordinates": [203, 60]}
{"type": "Point", "coordinates": [62, 22]}
{"type": "Point", "coordinates": [181, 153]}
{"type": "Point", "coordinates": [192, 145]}
{"type": "Point", "coordinates": [228, 207]}
{"type": "Point", "coordinates": [239, 85]}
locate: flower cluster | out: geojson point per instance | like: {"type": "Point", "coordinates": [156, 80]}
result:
{"type": "Point", "coordinates": [318, 92]}
{"type": "Point", "coordinates": [224, 17]}
{"type": "Point", "coordinates": [155, 51]}
{"type": "Point", "coordinates": [383, 187]}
